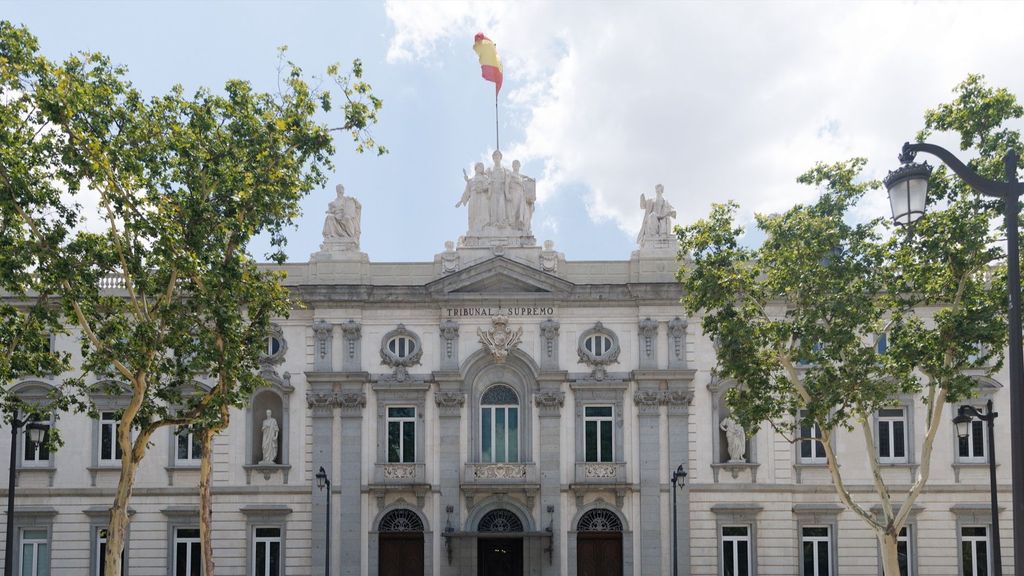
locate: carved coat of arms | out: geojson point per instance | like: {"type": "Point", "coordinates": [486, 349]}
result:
{"type": "Point", "coordinates": [499, 340]}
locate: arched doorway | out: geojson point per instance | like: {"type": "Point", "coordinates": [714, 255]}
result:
{"type": "Point", "coordinates": [401, 543]}
{"type": "Point", "coordinates": [502, 553]}
{"type": "Point", "coordinates": [599, 544]}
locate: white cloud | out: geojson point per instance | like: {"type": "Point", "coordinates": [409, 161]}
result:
{"type": "Point", "coordinates": [717, 101]}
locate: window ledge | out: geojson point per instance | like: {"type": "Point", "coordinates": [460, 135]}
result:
{"type": "Point", "coordinates": [179, 468]}
{"type": "Point", "coordinates": [960, 466]}
{"type": "Point", "coordinates": [810, 465]}
{"type": "Point", "coordinates": [600, 472]}
{"type": "Point", "coordinates": [403, 473]}
{"type": "Point", "coordinates": [101, 468]}
{"type": "Point", "coordinates": [735, 468]}
{"type": "Point", "coordinates": [500, 473]}
{"type": "Point", "coordinates": [50, 470]}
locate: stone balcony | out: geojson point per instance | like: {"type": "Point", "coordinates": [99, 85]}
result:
{"type": "Point", "coordinates": [394, 473]}
{"type": "Point", "coordinates": [512, 473]}
{"type": "Point", "coordinates": [600, 473]}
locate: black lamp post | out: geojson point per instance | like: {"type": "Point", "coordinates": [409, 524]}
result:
{"type": "Point", "coordinates": [908, 187]}
{"type": "Point", "coordinates": [322, 481]}
{"type": "Point", "coordinates": [679, 475]}
{"type": "Point", "coordinates": [36, 432]}
{"type": "Point", "coordinates": [963, 420]}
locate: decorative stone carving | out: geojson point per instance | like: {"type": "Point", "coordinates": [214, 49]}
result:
{"type": "Point", "coordinates": [677, 398]}
{"type": "Point", "coordinates": [549, 401]}
{"type": "Point", "coordinates": [656, 230]}
{"type": "Point", "coordinates": [399, 471]}
{"type": "Point", "coordinates": [449, 331]}
{"type": "Point", "coordinates": [352, 334]}
{"type": "Point", "coordinates": [449, 259]}
{"type": "Point", "coordinates": [647, 401]}
{"type": "Point", "coordinates": [500, 204]}
{"type": "Point", "coordinates": [397, 357]}
{"type": "Point", "coordinates": [677, 342]}
{"type": "Point", "coordinates": [276, 348]}
{"type": "Point", "coordinates": [449, 403]}
{"type": "Point", "coordinates": [648, 340]}
{"type": "Point", "coordinates": [352, 400]}
{"type": "Point", "coordinates": [499, 471]}
{"type": "Point", "coordinates": [737, 439]}
{"type": "Point", "coordinates": [321, 337]}
{"type": "Point", "coordinates": [549, 332]}
{"type": "Point", "coordinates": [549, 258]}
{"type": "Point", "coordinates": [598, 355]}
{"type": "Point", "coordinates": [597, 470]}
{"type": "Point", "coordinates": [320, 400]}
{"type": "Point", "coordinates": [499, 340]}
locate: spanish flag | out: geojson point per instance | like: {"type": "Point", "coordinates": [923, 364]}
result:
{"type": "Point", "coordinates": [490, 64]}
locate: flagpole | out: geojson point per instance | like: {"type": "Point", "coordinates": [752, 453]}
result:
{"type": "Point", "coordinates": [497, 141]}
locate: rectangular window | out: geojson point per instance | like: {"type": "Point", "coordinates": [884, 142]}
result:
{"type": "Point", "coordinates": [499, 433]}
{"type": "Point", "coordinates": [892, 435]}
{"type": "Point", "coordinates": [266, 552]}
{"type": "Point", "coordinates": [110, 450]}
{"type": "Point", "coordinates": [811, 451]}
{"type": "Point", "coordinates": [188, 559]}
{"type": "Point", "coordinates": [401, 434]}
{"type": "Point", "coordinates": [189, 449]}
{"type": "Point", "coordinates": [974, 550]}
{"type": "Point", "coordinates": [882, 344]}
{"type": "Point", "coordinates": [101, 553]}
{"type": "Point", "coordinates": [903, 550]}
{"type": "Point", "coordinates": [973, 447]}
{"type": "Point", "coordinates": [598, 439]}
{"type": "Point", "coordinates": [36, 454]}
{"type": "Point", "coordinates": [817, 551]}
{"type": "Point", "coordinates": [35, 554]}
{"type": "Point", "coordinates": [735, 550]}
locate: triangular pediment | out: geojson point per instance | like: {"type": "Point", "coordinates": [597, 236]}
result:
{"type": "Point", "coordinates": [499, 275]}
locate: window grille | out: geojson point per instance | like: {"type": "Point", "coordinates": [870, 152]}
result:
{"type": "Point", "coordinates": [500, 521]}
{"type": "Point", "coordinates": [599, 520]}
{"type": "Point", "coordinates": [401, 520]}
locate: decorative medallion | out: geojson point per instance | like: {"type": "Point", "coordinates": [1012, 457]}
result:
{"type": "Point", "coordinates": [499, 340]}
{"type": "Point", "coordinates": [499, 471]}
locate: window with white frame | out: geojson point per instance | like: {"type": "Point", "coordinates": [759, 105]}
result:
{"type": "Point", "coordinates": [974, 550]}
{"type": "Point", "coordinates": [188, 559]}
{"type": "Point", "coordinates": [188, 450]}
{"type": "Point", "coordinates": [598, 344]}
{"type": "Point", "coordinates": [736, 551]}
{"type": "Point", "coordinates": [816, 544]}
{"type": "Point", "coordinates": [598, 437]}
{"type": "Point", "coordinates": [892, 435]}
{"type": "Point", "coordinates": [903, 551]}
{"type": "Point", "coordinates": [266, 552]}
{"type": "Point", "coordinates": [812, 451]}
{"type": "Point", "coordinates": [974, 446]}
{"type": "Point", "coordinates": [401, 346]}
{"type": "Point", "coordinates": [109, 448]}
{"type": "Point", "coordinates": [36, 453]}
{"type": "Point", "coordinates": [499, 425]}
{"type": "Point", "coordinates": [35, 553]}
{"type": "Point", "coordinates": [100, 568]}
{"type": "Point", "coordinates": [401, 434]}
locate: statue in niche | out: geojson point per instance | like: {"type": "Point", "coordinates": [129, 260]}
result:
{"type": "Point", "coordinates": [658, 215]}
{"type": "Point", "coordinates": [270, 434]}
{"type": "Point", "coordinates": [736, 437]}
{"type": "Point", "coordinates": [342, 221]}
{"type": "Point", "coordinates": [476, 197]}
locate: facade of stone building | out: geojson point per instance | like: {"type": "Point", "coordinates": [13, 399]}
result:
{"type": "Point", "coordinates": [497, 411]}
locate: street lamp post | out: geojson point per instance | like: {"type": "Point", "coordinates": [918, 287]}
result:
{"type": "Point", "coordinates": [679, 475]}
{"type": "Point", "coordinates": [963, 419]}
{"type": "Point", "coordinates": [35, 432]}
{"type": "Point", "coordinates": [908, 185]}
{"type": "Point", "coordinates": [322, 481]}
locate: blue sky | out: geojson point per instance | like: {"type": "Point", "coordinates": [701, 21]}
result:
{"type": "Point", "coordinates": [601, 102]}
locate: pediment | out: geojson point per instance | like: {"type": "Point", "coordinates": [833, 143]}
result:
{"type": "Point", "coordinates": [499, 275]}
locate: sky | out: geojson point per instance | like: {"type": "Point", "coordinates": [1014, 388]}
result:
{"type": "Point", "coordinates": [602, 101]}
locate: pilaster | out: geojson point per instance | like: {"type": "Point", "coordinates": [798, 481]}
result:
{"type": "Point", "coordinates": [351, 354]}
{"type": "Point", "coordinates": [648, 332]}
{"type": "Point", "coordinates": [648, 403]}
{"type": "Point", "coordinates": [323, 341]}
{"type": "Point", "coordinates": [449, 334]}
{"type": "Point", "coordinates": [450, 400]}
{"type": "Point", "coordinates": [549, 344]}
{"type": "Point", "coordinates": [549, 402]}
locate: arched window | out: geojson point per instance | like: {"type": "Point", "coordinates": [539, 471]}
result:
{"type": "Point", "coordinates": [499, 425]}
{"type": "Point", "coordinates": [500, 520]}
{"type": "Point", "coordinates": [599, 520]}
{"type": "Point", "coordinates": [401, 520]}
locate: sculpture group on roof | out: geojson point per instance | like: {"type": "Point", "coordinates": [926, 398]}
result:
{"type": "Point", "coordinates": [498, 199]}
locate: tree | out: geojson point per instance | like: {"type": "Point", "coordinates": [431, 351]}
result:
{"type": "Point", "coordinates": [798, 318]}
{"type": "Point", "coordinates": [184, 183]}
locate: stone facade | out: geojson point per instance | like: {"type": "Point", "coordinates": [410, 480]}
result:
{"type": "Point", "coordinates": [454, 349]}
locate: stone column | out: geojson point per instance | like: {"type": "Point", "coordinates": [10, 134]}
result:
{"type": "Point", "coordinates": [678, 399]}
{"type": "Point", "coordinates": [549, 344]}
{"type": "Point", "coordinates": [648, 403]}
{"type": "Point", "coordinates": [323, 341]}
{"type": "Point", "coordinates": [677, 343]}
{"type": "Point", "coordinates": [648, 344]}
{"type": "Point", "coordinates": [450, 400]}
{"type": "Point", "coordinates": [549, 407]}
{"type": "Point", "coordinates": [351, 355]}
{"type": "Point", "coordinates": [449, 334]}
{"type": "Point", "coordinates": [321, 402]}
{"type": "Point", "coordinates": [350, 522]}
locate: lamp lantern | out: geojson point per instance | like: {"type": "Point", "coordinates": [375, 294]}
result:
{"type": "Point", "coordinates": [908, 192]}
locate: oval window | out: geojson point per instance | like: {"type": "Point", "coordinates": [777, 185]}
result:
{"type": "Point", "coordinates": [598, 344]}
{"type": "Point", "coordinates": [401, 346]}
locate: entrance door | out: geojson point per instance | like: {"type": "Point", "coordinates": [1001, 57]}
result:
{"type": "Point", "coordinates": [599, 554]}
{"type": "Point", "coordinates": [499, 557]}
{"type": "Point", "coordinates": [401, 553]}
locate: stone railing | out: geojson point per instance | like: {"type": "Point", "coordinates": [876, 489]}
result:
{"type": "Point", "coordinates": [399, 473]}
{"type": "Point", "coordinates": [501, 473]}
{"type": "Point", "coordinates": [600, 472]}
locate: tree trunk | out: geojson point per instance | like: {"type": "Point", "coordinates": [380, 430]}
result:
{"type": "Point", "coordinates": [890, 555]}
{"type": "Point", "coordinates": [206, 497]}
{"type": "Point", "coordinates": [118, 526]}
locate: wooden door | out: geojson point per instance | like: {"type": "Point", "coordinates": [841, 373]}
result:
{"type": "Point", "coordinates": [599, 554]}
{"type": "Point", "coordinates": [499, 557]}
{"type": "Point", "coordinates": [401, 553]}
